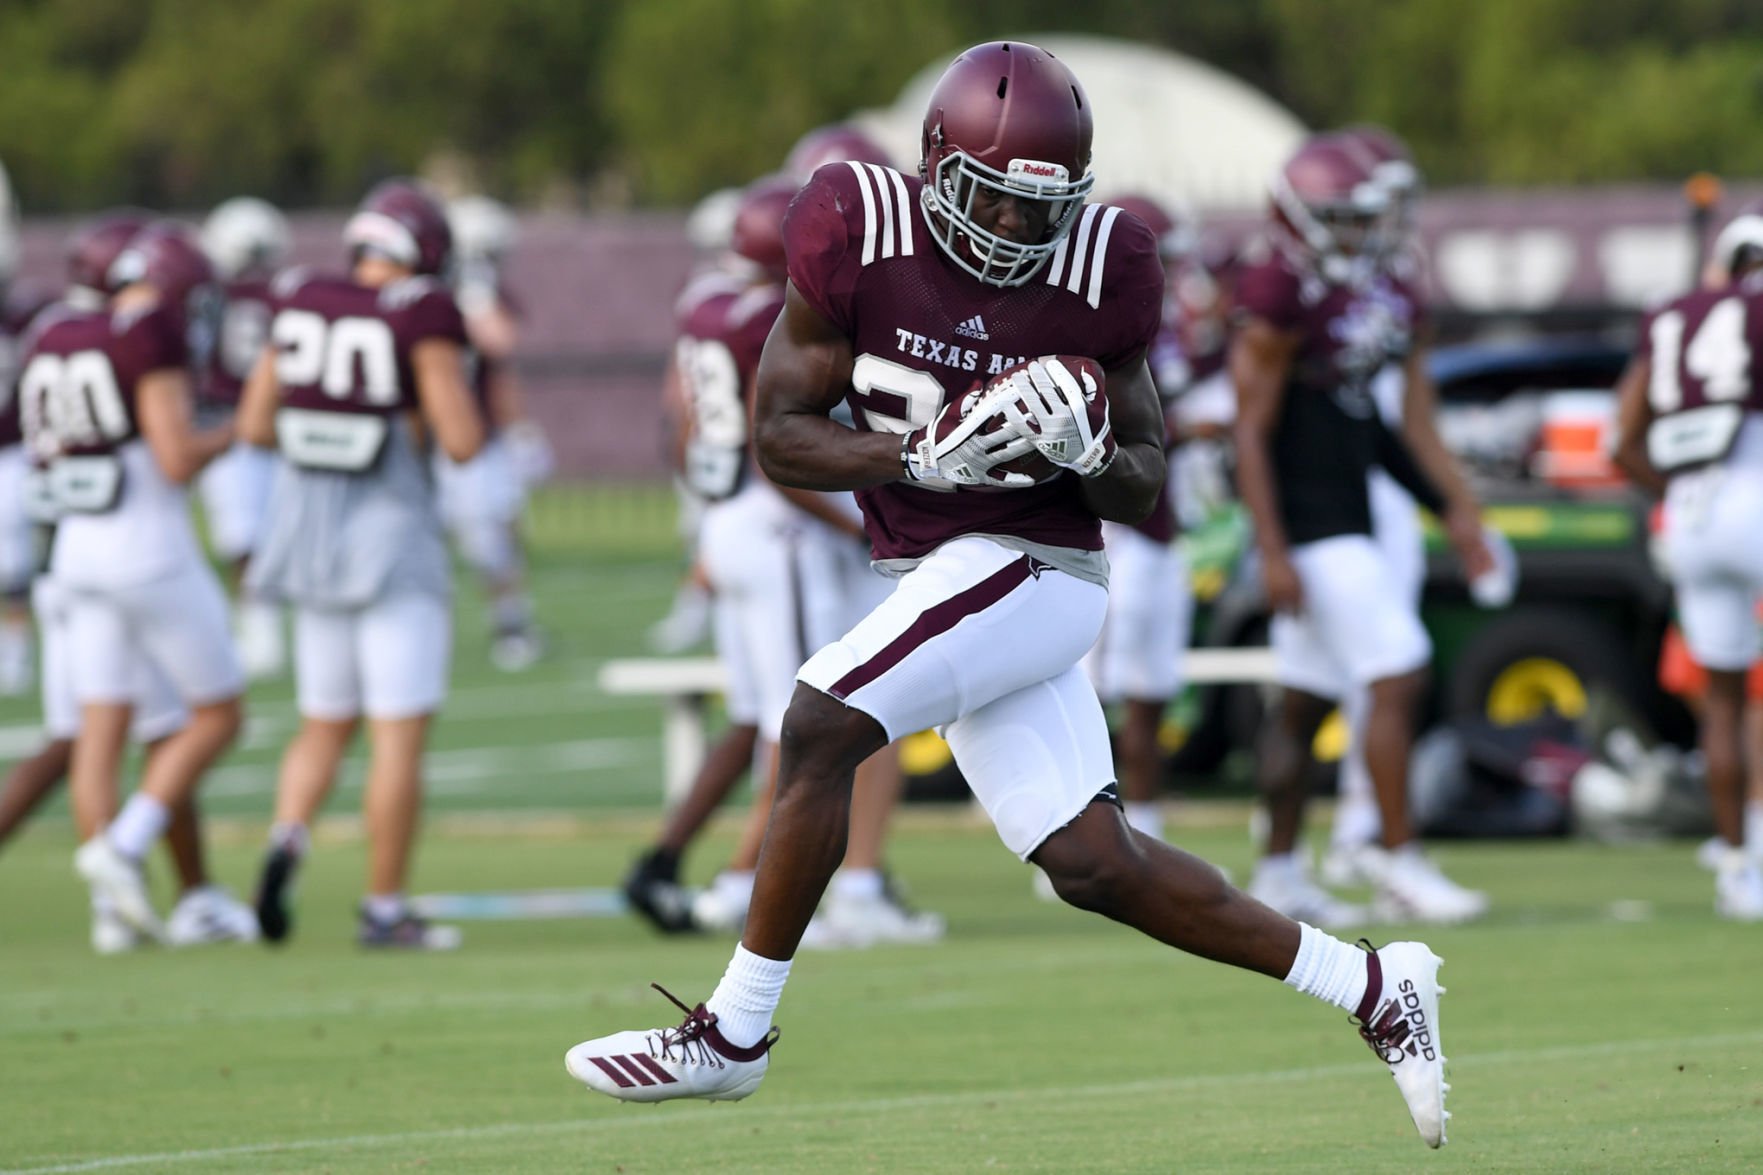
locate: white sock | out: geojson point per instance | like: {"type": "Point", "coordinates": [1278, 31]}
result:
{"type": "Point", "coordinates": [293, 837]}
{"type": "Point", "coordinates": [1145, 818]}
{"type": "Point", "coordinates": [384, 908]}
{"type": "Point", "coordinates": [1329, 969]}
{"type": "Point", "coordinates": [1277, 865]}
{"type": "Point", "coordinates": [1356, 822]}
{"type": "Point", "coordinates": [747, 996]}
{"type": "Point", "coordinates": [858, 884]}
{"type": "Point", "coordinates": [140, 823]}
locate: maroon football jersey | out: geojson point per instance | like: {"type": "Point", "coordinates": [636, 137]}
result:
{"type": "Point", "coordinates": [720, 342]}
{"type": "Point", "coordinates": [244, 329]}
{"type": "Point", "coordinates": [1706, 372]}
{"type": "Point", "coordinates": [345, 347]}
{"type": "Point", "coordinates": [81, 371]}
{"type": "Point", "coordinates": [1325, 443]}
{"type": "Point", "coordinates": [923, 333]}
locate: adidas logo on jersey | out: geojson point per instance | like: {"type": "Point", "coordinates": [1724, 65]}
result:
{"type": "Point", "coordinates": [973, 328]}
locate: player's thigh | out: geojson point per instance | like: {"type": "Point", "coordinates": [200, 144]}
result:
{"type": "Point", "coordinates": [1139, 652]}
{"type": "Point", "coordinates": [1035, 758]}
{"type": "Point", "coordinates": [1358, 611]}
{"type": "Point", "coordinates": [327, 671]}
{"type": "Point", "coordinates": [61, 709]}
{"type": "Point", "coordinates": [974, 621]}
{"type": "Point", "coordinates": [103, 650]}
{"type": "Point", "coordinates": [1395, 525]}
{"type": "Point", "coordinates": [183, 625]}
{"type": "Point", "coordinates": [404, 647]}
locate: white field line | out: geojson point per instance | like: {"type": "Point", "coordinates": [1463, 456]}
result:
{"type": "Point", "coordinates": [742, 1119]}
{"type": "Point", "coordinates": [464, 771]}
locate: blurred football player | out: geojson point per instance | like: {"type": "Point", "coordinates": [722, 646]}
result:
{"type": "Point", "coordinates": [482, 499]}
{"type": "Point", "coordinates": [248, 240]}
{"type": "Point", "coordinates": [983, 477]}
{"type": "Point", "coordinates": [106, 405]}
{"type": "Point", "coordinates": [787, 568]}
{"type": "Point", "coordinates": [1321, 316]}
{"type": "Point", "coordinates": [1689, 429]}
{"type": "Point", "coordinates": [18, 304]}
{"type": "Point", "coordinates": [361, 372]}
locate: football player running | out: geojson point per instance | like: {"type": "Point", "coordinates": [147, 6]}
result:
{"type": "Point", "coordinates": [1320, 317]}
{"type": "Point", "coordinates": [922, 304]}
{"type": "Point", "coordinates": [360, 372]}
{"type": "Point", "coordinates": [1689, 429]}
{"type": "Point", "coordinates": [248, 240]}
{"type": "Point", "coordinates": [106, 405]}
{"type": "Point", "coordinates": [482, 499]}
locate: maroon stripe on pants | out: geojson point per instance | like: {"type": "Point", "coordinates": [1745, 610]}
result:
{"type": "Point", "coordinates": [612, 1071]}
{"type": "Point", "coordinates": [936, 620]}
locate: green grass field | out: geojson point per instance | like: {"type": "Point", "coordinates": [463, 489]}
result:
{"type": "Point", "coordinates": [1601, 1020]}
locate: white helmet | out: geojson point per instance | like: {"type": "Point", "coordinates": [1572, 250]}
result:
{"type": "Point", "coordinates": [245, 233]}
{"type": "Point", "coordinates": [8, 229]}
{"type": "Point", "coordinates": [483, 229]}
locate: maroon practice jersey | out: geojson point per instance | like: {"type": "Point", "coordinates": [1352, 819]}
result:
{"type": "Point", "coordinates": [81, 371]}
{"type": "Point", "coordinates": [345, 347]}
{"type": "Point", "coordinates": [720, 341]}
{"type": "Point", "coordinates": [1706, 355]}
{"type": "Point", "coordinates": [244, 329]}
{"type": "Point", "coordinates": [923, 333]}
{"type": "Point", "coordinates": [1325, 441]}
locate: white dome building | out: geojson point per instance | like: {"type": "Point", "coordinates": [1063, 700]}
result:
{"type": "Point", "coordinates": [1166, 125]}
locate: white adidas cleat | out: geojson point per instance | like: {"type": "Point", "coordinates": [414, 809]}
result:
{"type": "Point", "coordinates": [210, 914]}
{"type": "Point", "coordinates": [112, 936]}
{"type": "Point", "coordinates": [875, 920]}
{"type": "Point", "coordinates": [1399, 1019]}
{"type": "Point", "coordinates": [1738, 887]}
{"type": "Point", "coordinates": [694, 1060]}
{"type": "Point", "coordinates": [1287, 888]}
{"type": "Point", "coordinates": [119, 881]}
{"type": "Point", "coordinates": [1411, 888]}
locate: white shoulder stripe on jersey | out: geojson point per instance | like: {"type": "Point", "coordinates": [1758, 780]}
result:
{"type": "Point", "coordinates": [1099, 258]}
{"type": "Point", "coordinates": [1084, 252]}
{"type": "Point", "coordinates": [887, 224]}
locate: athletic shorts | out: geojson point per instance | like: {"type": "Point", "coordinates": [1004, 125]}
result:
{"type": "Point", "coordinates": [388, 659]}
{"type": "Point", "coordinates": [1150, 611]}
{"type": "Point", "coordinates": [175, 625]}
{"type": "Point", "coordinates": [1713, 524]}
{"type": "Point", "coordinates": [1359, 623]}
{"type": "Point", "coordinates": [159, 711]}
{"type": "Point", "coordinates": [984, 643]}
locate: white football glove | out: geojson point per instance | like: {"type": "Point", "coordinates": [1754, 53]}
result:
{"type": "Point", "coordinates": [1066, 413]}
{"type": "Point", "coordinates": [953, 449]}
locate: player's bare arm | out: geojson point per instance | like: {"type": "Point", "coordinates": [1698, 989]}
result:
{"type": "Point", "coordinates": [803, 374]}
{"type": "Point", "coordinates": [1127, 490]}
{"type": "Point", "coordinates": [163, 401]}
{"type": "Point", "coordinates": [447, 407]}
{"type": "Point", "coordinates": [255, 420]}
{"type": "Point", "coordinates": [1260, 360]}
{"type": "Point", "coordinates": [1420, 432]}
{"type": "Point", "coordinates": [1634, 415]}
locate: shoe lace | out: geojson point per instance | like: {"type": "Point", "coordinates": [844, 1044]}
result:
{"type": "Point", "coordinates": [688, 1038]}
{"type": "Point", "coordinates": [1384, 1029]}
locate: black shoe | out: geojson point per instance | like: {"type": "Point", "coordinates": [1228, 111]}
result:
{"type": "Point", "coordinates": [274, 917]}
{"type": "Point", "coordinates": [653, 890]}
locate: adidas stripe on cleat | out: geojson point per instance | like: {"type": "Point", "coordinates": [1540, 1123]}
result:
{"type": "Point", "coordinates": [694, 1060]}
{"type": "Point", "coordinates": [1399, 1019]}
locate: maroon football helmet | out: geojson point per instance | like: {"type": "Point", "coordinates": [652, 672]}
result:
{"type": "Point", "coordinates": [94, 247]}
{"type": "Point", "coordinates": [759, 223]}
{"type": "Point", "coordinates": [1005, 119]}
{"type": "Point", "coordinates": [1174, 228]}
{"type": "Point", "coordinates": [1327, 206]}
{"type": "Point", "coordinates": [400, 221]}
{"type": "Point", "coordinates": [833, 143]}
{"type": "Point", "coordinates": [1393, 167]}
{"type": "Point", "coordinates": [169, 257]}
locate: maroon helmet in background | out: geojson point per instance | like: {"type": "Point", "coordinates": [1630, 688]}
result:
{"type": "Point", "coordinates": [1327, 206]}
{"type": "Point", "coordinates": [169, 257]}
{"type": "Point", "coordinates": [834, 143]}
{"type": "Point", "coordinates": [94, 246]}
{"type": "Point", "coordinates": [1174, 227]}
{"type": "Point", "coordinates": [1393, 167]}
{"type": "Point", "coordinates": [1008, 117]}
{"type": "Point", "coordinates": [759, 223]}
{"type": "Point", "coordinates": [400, 221]}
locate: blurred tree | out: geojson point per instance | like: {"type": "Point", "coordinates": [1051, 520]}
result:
{"type": "Point", "coordinates": [183, 102]}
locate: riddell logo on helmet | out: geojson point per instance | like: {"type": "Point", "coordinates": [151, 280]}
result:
{"type": "Point", "coordinates": [1035, 169]}
{"type": "Point", "coordinates": [1419, 1042]}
